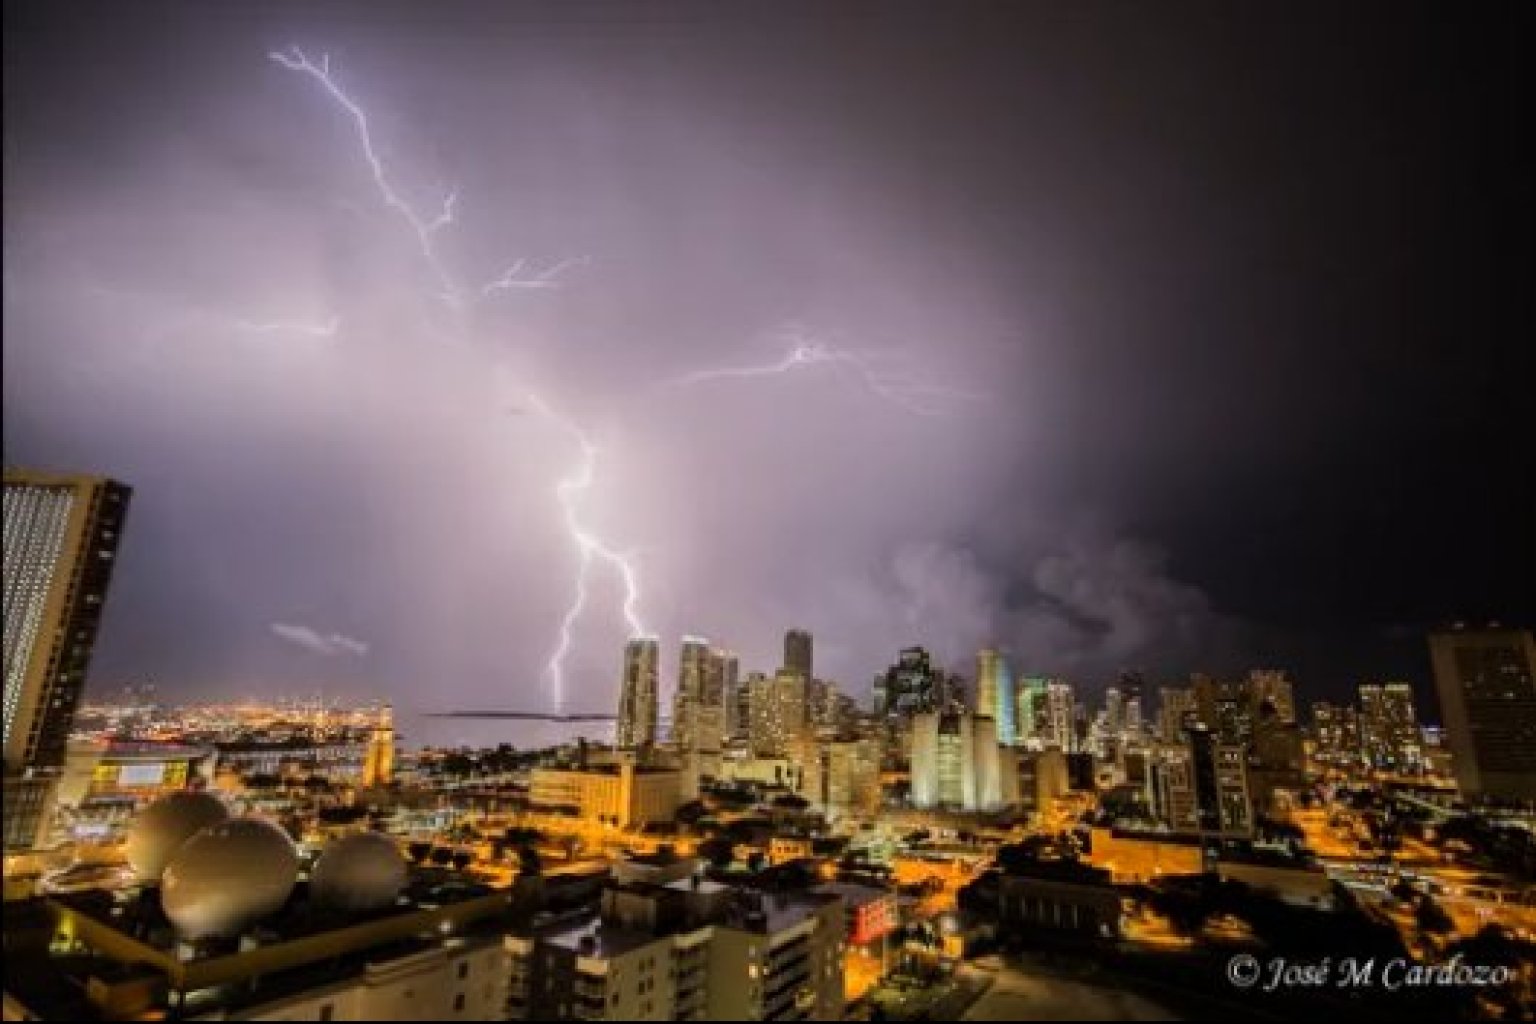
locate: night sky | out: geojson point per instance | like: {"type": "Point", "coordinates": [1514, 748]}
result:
{"type": "Point", "coordinates": [1173, 337]}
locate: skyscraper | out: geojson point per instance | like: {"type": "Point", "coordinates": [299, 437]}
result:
{"type": "Point", "coordinates": [1220, 773]}
{"type": "Point", "coordinates": [1389, 727]}
{"type": "Point", "coordinates": [1486, 679]}
{"type": "Point", "coordinates": [1176, 708]}
{"type": "Point", "coordinates": [697, 678]}
{"type": "Point", "coordinates": [1029, 707]}
{"type": "Point", "coordinates": [638, 701]}
{"type": "Point", "coordinates": [730, 686]}
{"type": "Point", "coordinates": [797, 652]}
{"type": "Point", "coordinates": [61, 538]}
{"type": "Point", "coordinates": [779, 713]}
{"type": "Point", "coordinates": [994, 693]}
{"type": "Point", "coordinates": [1060, 717]}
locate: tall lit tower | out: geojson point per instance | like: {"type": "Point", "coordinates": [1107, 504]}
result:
{"type": "Point", "coordinates": [61, 538]}
{"type": "Point", "coordinates": [1060, 726]}
{"type": "Point", "coordinates": [797, 653]}
{"type": "Point", "coordinates": [730, 688]}
{"type": "Point", "coordinates": [1487, 684]}
{"type": "Point", "coordinates": [638, 703]}
{"type": "Point", "coordinates": [693, 683]}
{"type": "Point", "coordinates": [994, 694]}
{"type": "Point", "coordinates": [379, 760]}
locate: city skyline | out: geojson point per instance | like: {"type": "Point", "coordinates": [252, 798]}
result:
{"type": "Point", "coordinates": [454, 390]}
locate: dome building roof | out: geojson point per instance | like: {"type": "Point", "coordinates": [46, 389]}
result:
{"type": "Point", "coordinates": [228, 877]}
{"type": "Point", "coordinates": [162, 827]}
{"type": "Point", "coordinates": [363, 871]}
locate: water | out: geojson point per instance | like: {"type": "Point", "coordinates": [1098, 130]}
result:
{"type": "Point", "coordinates": [417, 729]}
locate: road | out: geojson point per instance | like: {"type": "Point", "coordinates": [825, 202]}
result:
{"type": "Point", "coordinates": [1020, 994]}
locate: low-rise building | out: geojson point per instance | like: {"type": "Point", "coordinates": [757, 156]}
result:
{"type": "Point", "coordinates": [623, 794]}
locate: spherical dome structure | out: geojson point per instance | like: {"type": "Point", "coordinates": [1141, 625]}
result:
{"type": "Point", "coordinates": [162, 827]}
{"type": "Point", "coordinates": [363, 871]}
{"type": "Point", "coordinates": [227, 877]}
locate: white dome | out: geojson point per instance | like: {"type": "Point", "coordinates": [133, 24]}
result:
{"type": "Point", "coordinates": [160, 829]}
{"type": "Point", "coordinates": [363, 871]}
{"type": "Point", "coordinates": [227, 877]}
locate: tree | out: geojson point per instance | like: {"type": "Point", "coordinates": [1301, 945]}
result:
{"type": "Point", "coordinates": [690, 813]}
{"type": "Point", "coordinates": [1432, 918]}
{"type": "Point", "coordinates": [457, 765]}
{"type": "Point", "coordinates": [720, 852]}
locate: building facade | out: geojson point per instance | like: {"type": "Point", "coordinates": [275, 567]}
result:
{"type": "Point", "coordinates": [1486, 679]}
{"type": "Point", "coordinates": [639, 702]}
{"type": "Point", "coordinates": [994, 693]}
{"type": "Point", "coordinates": [61, 540]}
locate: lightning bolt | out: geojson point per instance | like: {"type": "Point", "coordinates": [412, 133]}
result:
{"type": "Point", "coordinates": [423, 227]}
{"type": "Point", "coordinates": [806, 350]}
{"type": "Point", "coordinates": [513, 278]}
{"type": "Point", "coordinates": [589, 549]}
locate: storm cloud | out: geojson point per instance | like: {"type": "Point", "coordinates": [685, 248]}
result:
{"type": "Point", "coordinates": [210, 297]}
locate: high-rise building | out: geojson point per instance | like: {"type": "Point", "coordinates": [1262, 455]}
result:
{"type": "Point", "coordinates": [1220, 772]}
{"type": "Point", "coordinates": [1486, 679]}
{"type": "Point", "coordinates": [1114, 711]}
{"type": "Point", "coordinates": [1389, 728]}
{"type": "Point", "coordinates": [1029, 711]}
{"type": "Point", "coordinates": [698, 705]}
{"type": "Point", "coordinates": [1132, 687]}
{"type": "Point", "coordinates": [1276, 759]}
{"type": "Point", "coordinates": [1225, 707]}
{"type": "Point", "coordinates": [853, 775]}
{"type": "Point", "coordinates": [638, 699]}
{"type": "Point", "coordinates": [994, 694]}
{"type": "Point", "coordinates": [61, 539]}
{"type": "Point", "coordinates": [955, 761]}
{"type": "Point", "coordinates": [797, 653]}
{"type": "Point", "coordinates": [730, 691]}
{"type": "Point", "coordinates": [1336, 733]}
{"type": "Point", "coordinates": [1174, 712]}
{"type": "Point", "coordinates": [1060, 717]}
{"type": "Point", "coordinates": [779, 713]}
{"type": "Point", "coordinates": [1171, 789]}
{"type": "Point", "coordinates": [1272, 686]}
{"type": "Point", "coordinates": [910, 686]}
{"type": "Point", "coordinates": [750, 693]}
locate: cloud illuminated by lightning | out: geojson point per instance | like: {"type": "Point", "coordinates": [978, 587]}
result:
{"type": "Point", "coordinates": [589, 546]}
{"type": "Point", "coordinates": [873, 370]}
{"type": "Point", "coordinates": [519, 276]}
{"type": "Point", "coordinates": [589, 549]}
{"type": "Point", "coordinates": [423, 227]}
